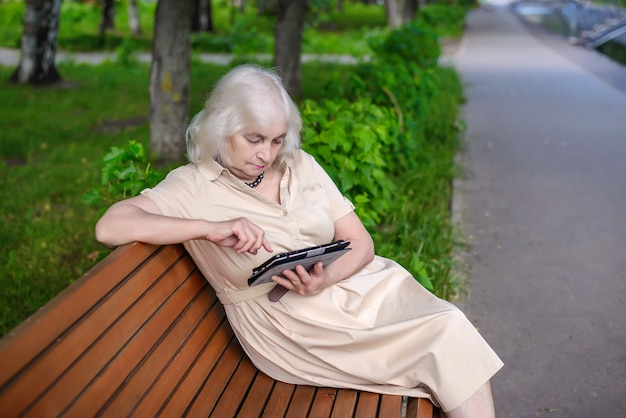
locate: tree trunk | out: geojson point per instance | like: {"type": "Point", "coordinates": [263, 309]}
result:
{"type": "Point", "coordinates": [170, 79]}
{"type": "Point", "coordinates": [206, 15]}
{"type": "Point", "coordinates": [288, 42]}
{"type": "Point", "coordinates": [108, 18]}
{"type": "Point", "coordinates": [39, 39]}
{"type": "Point", "coordinates": [239, 4]}
{"type": "Point", "coordinates": [133, 17]}
{"type": "Point", "coordinates": [201, 20]}
{"type": "Point", "coordinates": [267, 7]}
{"type": "Point", "coordinates": [410, 10]}
{"type": "Point", "coordinates": [400, 12]}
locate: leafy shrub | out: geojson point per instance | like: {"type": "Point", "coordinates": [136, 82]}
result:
{"type": "Point", "coordinates": [351, 140]}
{"type": "Point", "coordinates": [125, 172]}
{"type": "Point", "coordinates": [421, 100]}
{"type": "Point", "coordinates": [245, 36]}
{"type": "Point", "coordinates": [445, 19]}
{"type": "Point", "coordinates": [126, 53]}
{"type": "Point", "coordinates": [410, 43]}
{"type": "Point", "coordinates": [11, 23]}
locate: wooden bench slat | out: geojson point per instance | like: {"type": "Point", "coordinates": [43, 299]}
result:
{"type": "Point", "coordinates": [279, 400]}
{"type": "Point", "coordinates": [421, 408]}
{"type": "Point", "coordinates": [345, 403]}
{"type": "Point", "coordinates": [113, 376]}
{"type": "Point", "coordinates": [45, 326]}
{"type": "Point", "coordinates": [162, 389]}
{"type": "Point", "coordinates": [193, 381]}
{"type": "Point", "coordinates": [136, 385]}
{"type": "Point", "coordinates": [215, 385]}
{"type": "Point", "coordinates": [256, 399]}
{"type": "Point", "coordinates": [235, 392]}
{"type": "Point", "coordinates": [367, 405]}
{"type": "Point", "coordinates": [95, 358]}
{"type": "Point", "coordinates": [301, 401]}
{"type": "Point", "coordinates": [392, 405]}
{"type": "Point", "coordinates": [323, 403]}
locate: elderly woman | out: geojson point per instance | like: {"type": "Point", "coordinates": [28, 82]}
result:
{"type": "Point", "coordinates": [249, 192]}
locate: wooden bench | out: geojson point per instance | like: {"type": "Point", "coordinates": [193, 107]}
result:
{"type": "Point", "coordinates": [143, 334]}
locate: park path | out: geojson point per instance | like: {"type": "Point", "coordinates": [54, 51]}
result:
{"type": "Point", "coordinates": [11, 57]}
{"type": "Point", "coordinates": [543, 204]}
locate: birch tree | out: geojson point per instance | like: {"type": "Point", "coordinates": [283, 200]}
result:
{"type": "Point", "coordinates": [400, 12]}
{"type": "Point", "coordinates": [202, 19]}
{"type": "Point", "coordinates": [133, 18]}
{"type": "Point", "coordinates": [38, 45]}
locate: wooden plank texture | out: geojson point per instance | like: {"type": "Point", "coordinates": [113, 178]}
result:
{"type": "Point", "coordinates": [165, 385]}
{"type": "Point", "coordinates": [345, 403]}
{"type": "Point", "coordinates": [94, 359]}
{"type": "Point", "coordinates": [279, 400]}
{"type": "Point", "coordinates": [21, 345]}
{"type": "Point", "coordinates": [131, 355]}
{"type": "Point", "coordinates": [255, 400]}
{"type": "Point", "coordinates": [142, 334]}
{"type": "Point", "coordinates": [390, 406]}
{"type": "Point", "coordinates": [367, 405]}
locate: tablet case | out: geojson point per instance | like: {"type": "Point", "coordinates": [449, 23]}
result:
{"type": "Point", "coordinates": [306, 257]}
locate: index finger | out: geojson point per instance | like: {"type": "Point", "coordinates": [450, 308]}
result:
{"type": "Point", "coordinates": [266, 244]}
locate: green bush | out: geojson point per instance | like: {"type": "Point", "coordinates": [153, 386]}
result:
{"type": "Point", "coordinates": [11, 23]}
{"type": "Point", "coordinates": [351, 140]}
{"type": "Point", "coordinates": [413, 43]}
{"type": "Point", "coordinates": [420, 101]}
{"type": "Point", "coordinates": [125, 173]}
{"type": "Point", "coordinates": [445, 19]}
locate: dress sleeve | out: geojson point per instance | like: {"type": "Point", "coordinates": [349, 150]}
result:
{"type": "Point", "coordinates": [173, 195]}
{"type": "Point", "coordinates": [340, 205]}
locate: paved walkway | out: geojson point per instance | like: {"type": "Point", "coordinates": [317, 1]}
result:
{"type": "Point", "coordinates": [11, 57]}
{"type": "Point", "coordinates": [543, 200]}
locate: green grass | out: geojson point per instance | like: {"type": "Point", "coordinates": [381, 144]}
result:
{"type": "Point", "coordinates": [423, 226]}
{"type": "Point", "coordinates": [53, 140]}
{"type": "Point", "coordinates": [234, 31]}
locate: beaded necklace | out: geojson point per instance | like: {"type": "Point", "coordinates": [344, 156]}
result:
{"type": "Point", "coordinates": [256, 182]}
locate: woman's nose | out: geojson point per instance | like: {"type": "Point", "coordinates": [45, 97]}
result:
{"type": "Point", "coordinates": [263, 152]}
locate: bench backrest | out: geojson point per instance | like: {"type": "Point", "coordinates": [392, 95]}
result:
{"type": "Point", "coordinates": [143, 334]}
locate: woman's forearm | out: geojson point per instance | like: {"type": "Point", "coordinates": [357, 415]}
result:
{"type": "Point", "coordinates": [351, 229]}
{"type": "Point", "coordinates": [360, 255]}
{"type": "Point", "coordinates": [124, 223]}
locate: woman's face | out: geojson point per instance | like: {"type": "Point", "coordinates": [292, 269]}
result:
{"type": "Point", "coordinates": [251, 153]}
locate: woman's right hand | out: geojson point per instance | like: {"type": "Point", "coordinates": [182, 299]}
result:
{"type": "Point", "coordinates": [239, 234]}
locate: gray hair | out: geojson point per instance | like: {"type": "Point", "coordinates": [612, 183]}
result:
{"type": "Point", "coordinates": [247, 98]}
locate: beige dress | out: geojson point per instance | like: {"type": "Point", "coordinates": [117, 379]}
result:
{"type": "Point", "coordinates": [379, 330]}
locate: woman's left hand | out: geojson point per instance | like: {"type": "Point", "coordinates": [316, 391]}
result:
{"type": "Point", "coordinates": [347, 228]}
{"type": "Point", "coordinates": [304, 282]}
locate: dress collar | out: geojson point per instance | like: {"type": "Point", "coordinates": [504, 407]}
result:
{"type": "Point", "coordinates": [211, 170]}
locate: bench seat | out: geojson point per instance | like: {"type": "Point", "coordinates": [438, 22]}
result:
{"type": "Point", "coordinates": [143, 334]}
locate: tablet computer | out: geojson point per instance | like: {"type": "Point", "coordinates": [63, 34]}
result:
{"type": "Point", "coordinates": [306, 257]}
